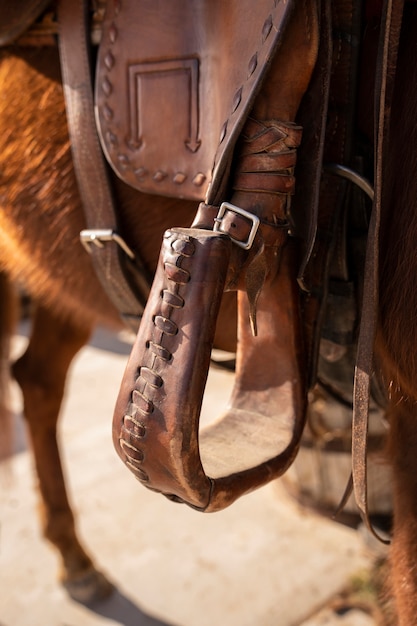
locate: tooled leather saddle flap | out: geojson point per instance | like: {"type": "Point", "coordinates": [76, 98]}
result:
{"type": "Point", "coordinates": [175, 82]}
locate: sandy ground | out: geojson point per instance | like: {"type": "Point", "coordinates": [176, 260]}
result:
{"type": "Point", "coordinates": [265, 561]}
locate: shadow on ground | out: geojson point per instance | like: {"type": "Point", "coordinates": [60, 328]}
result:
{"type": "Point", "coordinates": [118, 607]}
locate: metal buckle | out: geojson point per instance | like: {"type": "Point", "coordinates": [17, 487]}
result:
{"type": "Point", "coordinates": [226, 206]}
{"type": "Point", "coordinates": [99, 236]}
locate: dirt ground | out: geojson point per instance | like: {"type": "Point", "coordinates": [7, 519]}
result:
{"type": "Point", "coordinates": [265, 561]}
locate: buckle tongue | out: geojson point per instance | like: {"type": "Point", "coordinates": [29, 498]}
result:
{"type": "Point", "coordinates": [98, 236]}
{"type": "Point", "coordinates": [226, 206]}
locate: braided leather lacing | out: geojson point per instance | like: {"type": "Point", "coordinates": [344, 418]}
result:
{"type": "Point", "coordinates": [177, 248]}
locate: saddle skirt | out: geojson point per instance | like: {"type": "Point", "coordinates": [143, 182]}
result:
{"type": "Point", "coordinates": [171, 102]}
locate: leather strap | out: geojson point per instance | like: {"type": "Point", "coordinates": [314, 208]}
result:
{"type": "Point", "coordinates": [389, 40]}
{"type": "Point", "coordinates": [332, 90]}
{"type": "Point", "coordinates": [110, 261]}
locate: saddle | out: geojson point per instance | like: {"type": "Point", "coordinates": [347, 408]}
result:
{"type": "Point", "coordinates": [208, 104]}
{"type": "Point", "coordinates": [174, 119]}
{"type": "Point", "coordinates": [196, 264]}
{"type": "Point", "coordinates": [175, 111]}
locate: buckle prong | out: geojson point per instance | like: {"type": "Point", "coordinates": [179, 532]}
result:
{"type": "Point", "coordinates": [98, 236]}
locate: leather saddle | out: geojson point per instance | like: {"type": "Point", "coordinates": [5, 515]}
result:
{"type": "Point", "coordinates": [176, 111]}
{"type": "Point", "coordinates": [174, 108]}
{"type": "Point", "coordinates": [171, 100]}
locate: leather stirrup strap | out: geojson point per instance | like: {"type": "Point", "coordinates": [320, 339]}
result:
{"type": "Point", "coordinates": [390, 34]}
{"type": "Point", "coordinates": [101, 239]}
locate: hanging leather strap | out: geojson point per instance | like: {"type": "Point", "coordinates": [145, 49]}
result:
{"type": "Point", "coordinates": [388, 49]}
{"type": "Point", "coordinates": [113, 260]}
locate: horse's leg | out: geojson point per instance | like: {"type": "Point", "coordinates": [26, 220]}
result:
{"type": "Point", "coordinates": [403, 557]}
{"type": "Point", "coordinates": [41, 373]}
{"type": "Point", "coordinates": [397, 339]}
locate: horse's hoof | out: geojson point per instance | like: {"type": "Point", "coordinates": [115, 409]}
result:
{"type": "Point", "coordinates": [88, 587]}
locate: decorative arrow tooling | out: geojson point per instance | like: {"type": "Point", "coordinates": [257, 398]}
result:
{"type": "Point", "coordinates": [188, 67]}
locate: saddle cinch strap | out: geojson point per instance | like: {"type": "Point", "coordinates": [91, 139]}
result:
{"type": "Point", "coordinates": [156, 421]}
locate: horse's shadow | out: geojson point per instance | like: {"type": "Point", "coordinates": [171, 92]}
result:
{"type": "Point", "coordinates": [121, 609]}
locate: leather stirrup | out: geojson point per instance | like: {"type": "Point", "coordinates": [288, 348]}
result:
{"type": "Point", "coordinates": [156, 421]}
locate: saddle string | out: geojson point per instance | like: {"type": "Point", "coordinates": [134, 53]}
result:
{"type": "Point", "coordinates": [386, 63]}
{"type": "Point", "coordinates": [119, 269]}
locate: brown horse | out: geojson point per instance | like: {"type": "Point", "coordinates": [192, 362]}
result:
{"type": "Point", "coordinates": [41, 219]}
{"type": "Point", "coordinates": [40, 222]}
{"type": "Point", "coordinates": [39, 196]}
